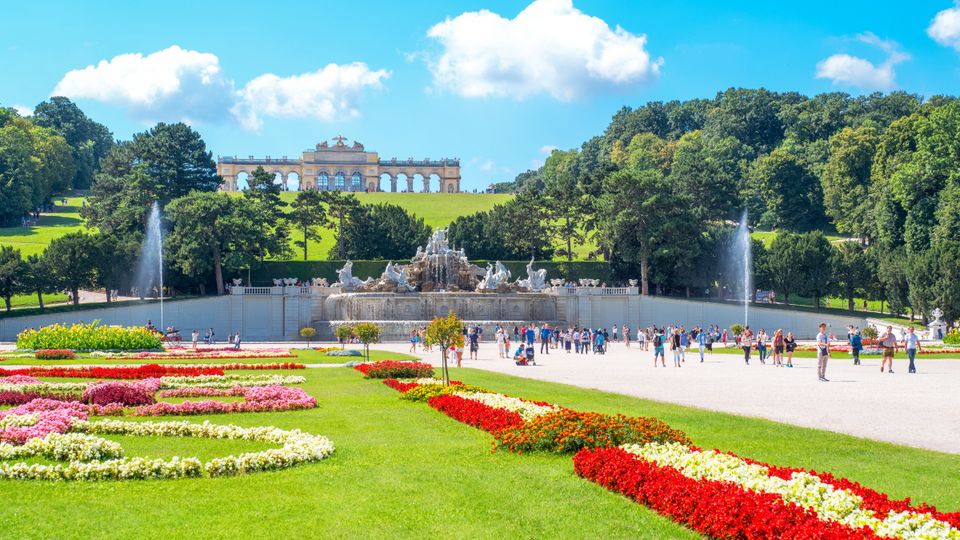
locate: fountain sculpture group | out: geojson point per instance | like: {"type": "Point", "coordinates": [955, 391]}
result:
{"type": "Point", "coordinates": [440, 268]}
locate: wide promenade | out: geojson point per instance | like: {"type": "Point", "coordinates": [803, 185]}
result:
{"type": "Point", "coordinates": [920, 410]}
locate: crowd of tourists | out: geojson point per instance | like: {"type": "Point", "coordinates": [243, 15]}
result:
{"type": "Point", "coordinates": [522, 343]}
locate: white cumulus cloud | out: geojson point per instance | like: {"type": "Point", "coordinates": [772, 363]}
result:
{"type": "Point", "coordinates": [23, 110]}
{"type": "Point", "coordinates": [176, 84]}
{"type": "Point", "coordinates": [945, 27]}
{"type": "Point", "coordinates": [550, 47]}
{"type": "Point", "coordinates": [326, 94]}
{"type": "Point", "coordinates": [171, 84]}
{"type": "Point", "coordinates": [848, 70]}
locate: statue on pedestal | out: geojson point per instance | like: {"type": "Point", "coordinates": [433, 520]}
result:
{"type": "Point", "coordinates": [536, 279]}
{"type": "Point", "coordinates": [347, 281]}
{"type": "Point", "coordinates": [496, 278]}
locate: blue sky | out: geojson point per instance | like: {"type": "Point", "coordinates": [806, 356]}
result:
{"type": "Point", "coordinates": [431, 79]}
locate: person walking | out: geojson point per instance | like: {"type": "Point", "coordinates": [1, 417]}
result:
{"type": "Point", "coordinates": [762, 339]}
{"type": "Point", "coordinates": [658, 352]}
{"type": "Point", "coordinates": [889, 343]}
{"type": "Point", "coordinates": [530, 335]}
{"type": "Point", "coordinates": [236, 340]}
{"type": "Point", "coordinates": [701, 343]}
{"type": "Point", "coordinates": [545, 334]}
{"type": "Point", "coordinates": [614, 332]}
{"type": "Point", "coordinates": [675, 347]}
{"type": "Point", "coordinates": [626, 336]}
{"type": "Point", "coordinates": [642, 338]}
{"type": "Point", "coordinates": [684, 344]}
{"type": "Point", "coordinates": [195, 338]}
{"type": "Point", "coordinates": [823, 352]}
{"type": "Point", "coordinates": [501, 341]}
{"type": "Point", "coordinates": [856, 345]}
{"type": "Point", "coordinates": [911, 344]}
{"type": "Point", "coordinates": [746, 343]}
{"type": "Point", "coordinates": [791, 345]}
{"type": "Point", "coordinates": [778, 347]}
{"type": "Point", "coordinates": [576, 340]}
{"type": "Point", "coordinates": [601, 342]}
{"type": "Point", "coordinates": [585, 341]}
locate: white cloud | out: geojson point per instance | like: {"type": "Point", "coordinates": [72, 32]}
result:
{"type": "Point", "coordinates": [172, 84]}
{"type": "Point", "coordinates": [844, 69]}
{"type": "Point", "coordinates": [549, 47]}
{"type": "Point", "coordinates": [945, 27]}
{"type": "Point", "coordinates": [326, 94]}
{"type": "Point", "coordinates": [487, 165]}
{"type": "Point", "coordinates": [176, 84]}
{"type": "Point", "coordinates": [23, 110]}
{"type": "Point", "coordinates": [548, 149]}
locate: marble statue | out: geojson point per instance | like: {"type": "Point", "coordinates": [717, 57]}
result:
{"type": "Point", "coordinates": [347, 281]}
{"type": "Point", "coordinates": [495, 278]}
{"type": "Point", "coordinates": [320, 282]}
{"type": "Point", "coordinates": [536, 279]}
{"type": "Point", "coordinates": [395, 275]}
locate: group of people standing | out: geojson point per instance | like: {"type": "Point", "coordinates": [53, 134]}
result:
{"type": "Point", "coordinates": [778, 344]}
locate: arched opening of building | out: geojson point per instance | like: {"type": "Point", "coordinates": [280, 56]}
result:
{"type": "Point", "coordinates": [340, 181]}
{"type": "Point", "coordinates": [356, 181]}
{"type": "Point", "coordinates": [387, 182]}
{"type": "Point", "coordinates": [243, 181]}
{"type": "Point", "coordinates": [323, 181]}
{"type": "Point", "coordinates": [293, 182]}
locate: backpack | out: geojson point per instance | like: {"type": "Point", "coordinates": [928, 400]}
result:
{"type": "Point", "coordinates": [657, 340]}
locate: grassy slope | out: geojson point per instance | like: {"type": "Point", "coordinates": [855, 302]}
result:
{"type": "Point", "coordinates": [403, 470]}
{"type": "Point", "coordinates": [33, 240]}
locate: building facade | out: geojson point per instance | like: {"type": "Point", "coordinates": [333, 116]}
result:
{"type": "Point", "coordinates": [342, 167]}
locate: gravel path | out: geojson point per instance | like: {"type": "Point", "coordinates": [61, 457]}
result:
{"type": "Point", "coordinates": [920, 410]}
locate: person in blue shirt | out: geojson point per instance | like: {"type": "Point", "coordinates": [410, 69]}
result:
{"type": "Point", "coordinates": [684, 343]}
{"type": "Point", "coordinates": [600, 342]}
{"type": "Point", "coordinates": [545, 339]}
{"type": "Point", "coordinates": [702, 343]}
{"type": "Point", "coordinates": [530, 335]}
{"type": "Point", "coordinates": [856, 345]}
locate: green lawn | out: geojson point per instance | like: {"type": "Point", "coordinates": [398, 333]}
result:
{"type": "Point", "coordinates": [30, 300]}
{"type": "Point", "coordinates": [404, 470]}
{"type": "Point", "coordinates": [768, 236]}
{"type": "Point", "coordinates": [303, 357]}
{"type": "Point", "coordinates": [33, 240]}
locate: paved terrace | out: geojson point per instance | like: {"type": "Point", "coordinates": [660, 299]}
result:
{"type": "Point", "coordinates": [920, 410]}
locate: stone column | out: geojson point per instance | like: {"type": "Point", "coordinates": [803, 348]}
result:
{"type": "Point", "coordinates": [426, 184]}
{"type": "Point", "coordinates": [393, 184]}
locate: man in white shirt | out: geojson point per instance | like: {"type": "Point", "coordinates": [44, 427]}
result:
{"type": "Point", "coordinates": [911, 342]}
{"type": "Point", "coordinates": [823, 353]}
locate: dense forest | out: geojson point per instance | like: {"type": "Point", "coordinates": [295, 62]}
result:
{"type": "Point", "coordinates": [660, 190]}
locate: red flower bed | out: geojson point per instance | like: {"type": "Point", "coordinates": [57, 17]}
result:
{"type": "Point", "coordinates": [392, 369]}
{"type": "Point", "coordinates": [148, 371]}
{"type": "Point", "coordinates": [399, 386]}
{"type": "Point", "coordinates": [475, 413]}
{"type": "Point", "coordinates": [54, 354]}
{"type": "Point", "coordinates": [715, 509]}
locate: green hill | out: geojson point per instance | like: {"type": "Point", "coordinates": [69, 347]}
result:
{"type": "Point", "coordinates": [437, 209]}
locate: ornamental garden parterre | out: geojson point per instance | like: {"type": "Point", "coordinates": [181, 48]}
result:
{"type": "Point", "coordinates": [718, 494]}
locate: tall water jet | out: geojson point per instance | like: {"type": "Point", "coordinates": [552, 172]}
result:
{"type": "Point", "coordinates": [742, 259]}
{"type": "Point", "coordinates": [150, 266]}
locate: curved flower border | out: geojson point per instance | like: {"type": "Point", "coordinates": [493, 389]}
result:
{"type": "Point", "coordinates": [297, 448]}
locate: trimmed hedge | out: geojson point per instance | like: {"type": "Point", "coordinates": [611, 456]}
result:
{"type": "Point", "coordinates": [89, 337]}
{"type": "Point", "coordinates": [267, 271]}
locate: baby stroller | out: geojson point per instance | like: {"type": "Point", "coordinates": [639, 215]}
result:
{"type": "Point", "coordinates": [526, 358]}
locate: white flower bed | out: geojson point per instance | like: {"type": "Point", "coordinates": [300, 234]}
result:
{"type": "Point", "coordinates": [806, 490]}
{"type": "Point", "coordinates": [427, 380]}
{"type": "Point", "coordinates": [528, 411]}
{"type": "Point", "coordinates": [94, 458]}
{"type": "Point", "coordinates": [229, 381]}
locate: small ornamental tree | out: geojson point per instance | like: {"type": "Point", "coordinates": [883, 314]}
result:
{"type": "Point", "coordinates": [445, 332]}
{"type": "Point", "coordinates": [367, 333]}
{"type": "Point", "coordinates": [307, 333]}
{"type": "Point", "coordinates": [870, 332]}
{"type": "Point", "coordinates": [344, 332]}
{"type": "Point", "coordinates": [737, 329]}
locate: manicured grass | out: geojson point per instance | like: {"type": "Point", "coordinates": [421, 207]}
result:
{"type": "Point", "coordinates": [768, 236]}
{"type": "Point", "coordinates": [33, 240]}
{"type": "Point", "coordinates": [404, 470]}
{"type": "Point", "coordinates": [30, 300]}
{"type": "Point", "coordinates": [303, 357]}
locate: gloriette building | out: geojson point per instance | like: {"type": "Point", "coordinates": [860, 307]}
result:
{"type": "Point", "coordinates": [344, 167]}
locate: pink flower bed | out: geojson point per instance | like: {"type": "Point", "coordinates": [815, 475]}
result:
{"type": "Point", "coordinates": [122, 392]}
{"type": "Point", "coordinates": [202, 392]}
{"type": "Point", "coordinates": [257, 399]}
{"type": "Point", "coordinates": [52, 417]}
{"type": "Point", "coordinates": [19, 379]}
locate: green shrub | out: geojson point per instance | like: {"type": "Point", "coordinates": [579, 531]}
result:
{"type": "Point", "coordinates": [870, 332]}
{"type": "Point", "coordinates": [89, 337]}
{"type": "Point", "coordinates": [952, 337]}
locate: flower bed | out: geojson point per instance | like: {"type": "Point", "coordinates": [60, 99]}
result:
{"type": "Point", "coordinates": [424, 392]}
{"type": "Point", "coordinates": [88, 337]}
{"type": "Point", "coordinates": [258, 399]}
{"type": "Point", "coordinates": [229, 381]}
{"type": "Point", "coordinates": [121, 392]}
{"type": "Point", "coordinates": [400, 386]}
{"type": "Point", "coordinates": [724, 496]}
{"type": "Point", "coordinates": [147, 371]}
{"type": "Point", "coordinates": [54, 354]}
{"type": "Point", "coordinates": [566, 431]}
{"type": "Point", "coordinates": [475, 413]}
{"type": "Point", "coordinates": [392, 369]}
{"type": "Point", "coordinates": [96, 458]}
{"type": "Point", "coordinates": [180, 353]}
